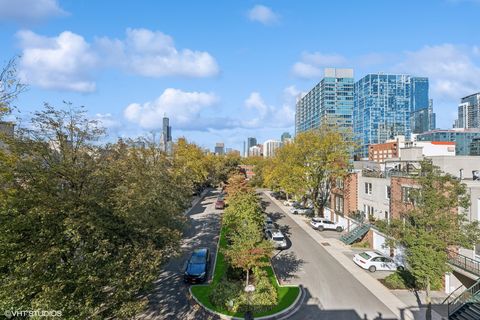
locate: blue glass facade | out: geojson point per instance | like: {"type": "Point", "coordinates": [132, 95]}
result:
{"type": "Point", "coordinates": [330, 102]}
{"type": "Point", "coordinates": [383, 107]}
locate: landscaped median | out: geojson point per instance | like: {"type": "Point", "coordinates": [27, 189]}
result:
{"type": "Point", "coordinates": [287, 296]}
{"type": "Point", "coordinates": [243, 279]}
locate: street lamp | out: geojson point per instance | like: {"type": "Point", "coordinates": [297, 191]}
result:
{"type": "Point", "coordinates": [249, 289]}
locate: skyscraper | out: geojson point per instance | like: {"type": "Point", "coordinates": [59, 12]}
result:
{"type": "Point", "coordinates": [423, 120]}
{"type": "Point", "coordinates": [330, 102]}
{"type": "Point", "coordinates": [166, 139]}
{"type": "Point", "coordinates": [269, 147]}
{"type": "Point", "coordinates": [383, 107]}
{"type": "Point", "coordinates": [250, 143]}
{"type": "Point", "coordinates": [285, 137]}
{"type": "Point", "coordinates": [469, 112]}
{"type": "Point", "coordinates": [220, 148]}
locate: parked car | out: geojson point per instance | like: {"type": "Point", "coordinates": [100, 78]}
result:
{"type": "Point", "coordinates": [268, 225]}
{"type": "Point", "coordinates": [321, 224]}
{"type": "Point", "coordinates": [301, 210]}
{"type": "Point", "coordinates": [197, 266]}
{"type": "Point", "coordinates": [220, 203]}
{"type": "Point", "coordinates": [279, 195]}
{"type": "Point", "coordinates": [373, 261]}
{"type": "Point", "coordinates": [289, 203]}
{"type": "Point", "coordinates": [277, 238]}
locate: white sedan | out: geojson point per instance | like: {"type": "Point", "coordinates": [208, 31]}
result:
{"type": "Point", "coordinates": [321, 224]}
{"type": "Point", "coordinates": [373, 261]}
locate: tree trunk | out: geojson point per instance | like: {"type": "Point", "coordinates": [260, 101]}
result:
{"type": "Point", "coordinates": [428, 301]}
{"type": "Point", "coordinates": [321, 211]}
{"type": "Point", "coordinates": [248, 274]}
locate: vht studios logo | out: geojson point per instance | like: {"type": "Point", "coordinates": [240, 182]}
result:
{"type": "Point", "coordinates": [31, 313]}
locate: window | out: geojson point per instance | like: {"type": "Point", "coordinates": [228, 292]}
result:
{"type": "Point", "coordinates": [406, 195]}
{"type": "Point", "coordinates": [368, 210]}
{"type": "Point", "coordinates": [339, 204]}
{"type": "Point", "coordinates": [388, 192]}
{"type": "Point", "coordinates": [339, 183]}
{"type": "Point", "coordinates": [368, 188]}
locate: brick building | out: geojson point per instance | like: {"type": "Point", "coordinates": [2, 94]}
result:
{"type": "Point", "coordinates": [343, 197]}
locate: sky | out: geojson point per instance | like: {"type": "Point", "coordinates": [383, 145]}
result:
{"type": "Point", "coordinates": [223, 71]}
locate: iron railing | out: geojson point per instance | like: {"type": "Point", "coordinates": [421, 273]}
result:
{"type": "Point", "coordinates": [463, 298]}
{"type": "Point", "coordinates": [464, 262]}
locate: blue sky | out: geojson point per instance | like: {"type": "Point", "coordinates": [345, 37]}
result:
{"type": "Point", "coordinates": [227, 70]}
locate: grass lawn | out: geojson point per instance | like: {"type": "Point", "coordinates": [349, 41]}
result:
{"type": "Point", "coordinates": [286, 294]}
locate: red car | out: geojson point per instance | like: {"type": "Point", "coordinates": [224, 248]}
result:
{"type": "Point", "coordinates": [220, 204]}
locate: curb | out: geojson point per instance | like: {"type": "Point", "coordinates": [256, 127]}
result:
{"type": "Point", "coordinates": [277, 316]}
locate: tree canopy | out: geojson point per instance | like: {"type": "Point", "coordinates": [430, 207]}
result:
{"type": "Point", "coordinates": [84, 227]}
{"type": "Point", "coordinates": [309, 166]}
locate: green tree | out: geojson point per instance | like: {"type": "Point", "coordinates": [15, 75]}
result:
{"type": "Point", "coordinates": [433, 223]}
{"type": "Point", "coordinates": [84, 228]}
{"type": "Point", "coordinates": [285, 172]}
{"type": "Point", "coordinates": [190, 162]}
{"type": "Point", "coordinates": [311, 164]}
{"type": "Point", "coordinates": [10, 87]}
{"type": "Point", "coordinates": [248, 250]}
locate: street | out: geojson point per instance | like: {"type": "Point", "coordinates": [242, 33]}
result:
{"type": "Point", "coordinates": [170, 297]}
{"type": "Point", "coordinates": [331, 291]}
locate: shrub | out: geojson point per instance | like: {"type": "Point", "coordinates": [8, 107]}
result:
{"type": "Point", "coordinates": [265, 295]}
{"type": "Point", "coordinates": [400, 280]}
{"type": "Point", "coordinates": [225, 294]}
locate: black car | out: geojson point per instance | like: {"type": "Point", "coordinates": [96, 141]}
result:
{"type": "Point", "coordinates": [197, 266]}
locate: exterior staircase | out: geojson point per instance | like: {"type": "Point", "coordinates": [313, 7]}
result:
{"type": "Point", "coordinates": [467, 305]}
{"type": "Point", "coordinates": [355, 234]}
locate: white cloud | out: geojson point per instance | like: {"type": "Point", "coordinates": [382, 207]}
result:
{"type": "Point", "coordinates": [63, 62]}
{"type": "Point", "coordinates": [311, 65]}
{"type": "Point", "coordinates": [269, 116]}
{"type": "Point", "coordinates": [452, 70]}
{"type": "Point", "coordinates": [68, 61]}
{"type": "Point", "coordinates": [183, 108]}
{"type": "Point", "coordinates": [263, 15]}
{"type": "Point", "coordinates": [153, 54]}
{"type": "Point", "coordinates": [29, 10]}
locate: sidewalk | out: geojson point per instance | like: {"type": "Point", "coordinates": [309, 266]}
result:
{"type": "Point", "coordinates": [337, 250]}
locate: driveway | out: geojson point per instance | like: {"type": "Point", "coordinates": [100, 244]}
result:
{"type": "Point", "coordinates": [170, 297]}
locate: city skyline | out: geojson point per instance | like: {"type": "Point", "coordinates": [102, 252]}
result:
{"type": "Point", "coordinates": [216, 87]}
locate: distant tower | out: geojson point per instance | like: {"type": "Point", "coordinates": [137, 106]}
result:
{"type": "Point", "coordinates": [219, 148]}
{"type": "Point", "coordinates": [166, 140]}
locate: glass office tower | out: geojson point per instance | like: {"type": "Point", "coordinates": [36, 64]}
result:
{"type": "Point", "coordinates": [383, 107]}
{"type": "Point", "coordinates": [330, 102]}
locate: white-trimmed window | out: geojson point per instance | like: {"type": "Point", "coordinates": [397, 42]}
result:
{"type": "Point", "coordinates": [388, 192]}
{"type": "Point", "coordinates": [339, 204]}
{"type": "Point", "coordinates": [368, 188]}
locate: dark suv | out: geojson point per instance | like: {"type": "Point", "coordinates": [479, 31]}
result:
{"type": "Point", "coordinates": [197, 266]}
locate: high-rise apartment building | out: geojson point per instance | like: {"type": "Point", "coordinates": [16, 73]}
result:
{"type": "Point", "coordinates": [384, 104]}
{"type": "Point", "coordinates": [250, 143]}
{"type": "Point", "coordinates": [469, 112]}
{"type": "Point", "coordinates": [220, 148]}
{"type": "Point", "coordinates": [330, 102]}
{"type": "Point", "coordinates": [269, 147]}
{"type": "Point", "coordinates": [423, 120]}
{"type": "Point", "coordinates": [255, 151]}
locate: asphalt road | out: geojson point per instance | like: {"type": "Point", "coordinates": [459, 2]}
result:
{"type": "Point", "coordinates": [170, 297]}
{"type": "Point", "coordinates": [331, 291]}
